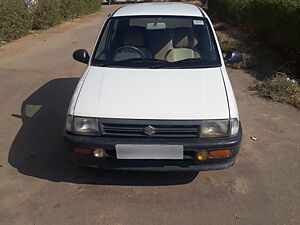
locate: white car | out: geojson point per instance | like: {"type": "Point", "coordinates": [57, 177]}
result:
{"type": "Point", "coordinates": [155, 94]}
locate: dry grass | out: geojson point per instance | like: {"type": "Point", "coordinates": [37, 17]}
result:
{"type": "Point", "coordinates": [201, 3]}
{"type": "Point", "coordinates": [279, 88]}
{"type": "Point", "coordinates": [228, 42]}
{"type": "Point", "coordinates": [261, 61]}
{"type": "Point", "coordinates": [247, 63]}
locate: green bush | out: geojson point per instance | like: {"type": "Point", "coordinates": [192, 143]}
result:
{"type": "Point", "coordinates": [68, 9]}
{"type": "Point", "coordinates": [74, 8]}
{"type": "Point", "coordinates": [14, 19]}
{"type": "Point", "coordinates": [277, 21]}
{"type": "Point", "coordinates": [49, 13]}
{"type": "Point", "coordinates": [17, 18]}
{"type": "Point", "coordinates": [46, 14]}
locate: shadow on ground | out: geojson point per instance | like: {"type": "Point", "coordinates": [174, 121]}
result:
{"type": "Point", "coordinates": [39, 150]}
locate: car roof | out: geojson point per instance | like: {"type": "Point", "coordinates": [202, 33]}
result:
{"type": "Point", "coordinates": [159, 9]}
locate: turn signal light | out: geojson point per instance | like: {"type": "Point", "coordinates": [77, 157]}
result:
{"type": "Point", "coordinates": [219, 154]}
{"type": "Point", "coordinates": [201, 156]}
{"type": "Point", "coordinates": [83, 150]}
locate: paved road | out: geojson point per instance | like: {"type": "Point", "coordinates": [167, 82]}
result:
{"type": "Point", "coordinates": [39, 184]}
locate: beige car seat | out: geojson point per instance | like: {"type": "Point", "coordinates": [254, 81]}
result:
{"type": "Point", "coordinates": [135, 37]}
{"type": "Point", "coordinates": [160, 42]}
{"type": "Point", "coordinates": [183, 43]}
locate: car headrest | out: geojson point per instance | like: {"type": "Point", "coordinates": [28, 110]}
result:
{"type": "Point", "coordinates": [183, 37]}
{"type": "Point", "coordinates": [134, 37]}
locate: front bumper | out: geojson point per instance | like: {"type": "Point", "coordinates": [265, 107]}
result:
{"type": "Point", "coordinates": [189, 163]}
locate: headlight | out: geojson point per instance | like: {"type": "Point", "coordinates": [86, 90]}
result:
{"type": "Point", "coordinates": [219, 128]}
{"type": "Point", "coordinates": [88, 126]}
{"type": "Point", "coordinates": [234, 126]}
{"type": "Point", "coordinates": [69, 123]}
{"type": "Point", "coordinates": [214, 128]}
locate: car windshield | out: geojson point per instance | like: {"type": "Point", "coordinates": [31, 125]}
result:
{"type": "Point", "coordinates": [156, 42]}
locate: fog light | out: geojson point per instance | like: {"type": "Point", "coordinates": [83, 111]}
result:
{"type": "Point", "coordinates": [201, 156]}
{"type": "Point", "coordinates": [98, 152]}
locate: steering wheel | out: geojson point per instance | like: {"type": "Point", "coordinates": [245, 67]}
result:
{"type": "Point", "coordinates": [130, 48]}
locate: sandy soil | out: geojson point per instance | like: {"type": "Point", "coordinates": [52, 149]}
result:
{"type": "Point", "coordinates": [40, 185]}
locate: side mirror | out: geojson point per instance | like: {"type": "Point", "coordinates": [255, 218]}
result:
{"type": "Point", "coordinates": [233, 56]}
{"type": "Point", "coordinates": [81, 55]}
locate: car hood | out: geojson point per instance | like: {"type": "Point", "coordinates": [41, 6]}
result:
{"type": "Point", "coordinates": [170, 94]}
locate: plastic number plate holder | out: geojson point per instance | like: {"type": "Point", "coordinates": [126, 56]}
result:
{"type": "Point", "coordinates": [128, 151]}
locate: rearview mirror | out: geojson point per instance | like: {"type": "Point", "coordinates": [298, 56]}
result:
{"type": "Point", "coordinates": [81, 55]}
{"type": "Point", "coordinates": [156, 26]}
{"type": "Point", "coordinates": [233, 56]}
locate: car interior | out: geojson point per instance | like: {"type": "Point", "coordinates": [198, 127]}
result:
{"type": "Point", "coordinates": [163, 40]}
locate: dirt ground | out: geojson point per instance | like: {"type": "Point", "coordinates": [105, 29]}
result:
{"type": "Point", "coordinates": [40, 185]}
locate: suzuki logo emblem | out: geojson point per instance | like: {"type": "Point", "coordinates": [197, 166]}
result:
{"type": "Point", "coordinates": [149, 130]}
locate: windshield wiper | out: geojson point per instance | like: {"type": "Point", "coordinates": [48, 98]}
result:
{"type": "Point", "coordinates": [166, 64]}
{"type": "Point", "coordinates": [143, 60]}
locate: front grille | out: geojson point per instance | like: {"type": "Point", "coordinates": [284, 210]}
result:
{"type": "Point", "coordinates": [140, 130]}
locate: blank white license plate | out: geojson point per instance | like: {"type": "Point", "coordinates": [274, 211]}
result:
{"type": "Point", "coordinates": [149, 151]}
